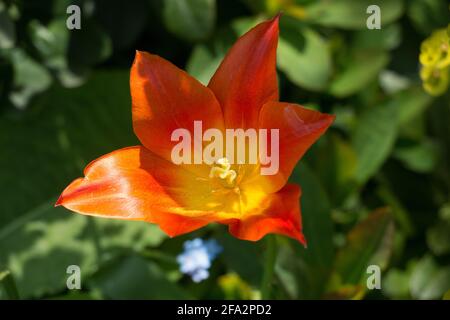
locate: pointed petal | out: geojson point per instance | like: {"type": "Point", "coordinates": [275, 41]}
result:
{"type": "Point", "coordinates": [166, 98]}
{"type": "Point", "coordinates": [298, 128]}
{"type": "Point", "coordinates": [247, 78]}
{"type": "Point", "coordinates": [280, 214]}
{"type": "Point", "coordinates": [135, 184]}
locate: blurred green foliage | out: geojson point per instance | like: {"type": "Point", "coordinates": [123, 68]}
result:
{"type": "Point", "coordinates": [375, 187]}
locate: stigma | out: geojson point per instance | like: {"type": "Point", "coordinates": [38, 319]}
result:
{"type": "Point", "coordinates": [222, 170]}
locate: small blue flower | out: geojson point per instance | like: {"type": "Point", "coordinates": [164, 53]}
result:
{"type": "Point", "coordinates": [213, 249]}
{"type": "Point", "coordinates": [197, 257]}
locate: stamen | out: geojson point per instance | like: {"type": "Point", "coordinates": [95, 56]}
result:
{"type": "Point", "coordinates": [222, 170]}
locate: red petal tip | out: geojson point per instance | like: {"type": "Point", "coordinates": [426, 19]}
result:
{"type": "Point", "coordinates": [59, 201]}
{"type": "Point", "coordinates": [303, 242]}
{"type": "Point", "coordinates": [332, 117]}
{"type": "Point", "coordinates": [300, 238]}
{"type": "Point", "coordinates": [275, 21]}
{"type": "Point", "coordinates": [138, 54]}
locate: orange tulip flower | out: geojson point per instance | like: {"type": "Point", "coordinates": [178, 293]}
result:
{"type": "Point", "coordinates": [143, 183]}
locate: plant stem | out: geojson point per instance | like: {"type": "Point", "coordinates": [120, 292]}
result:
{"type": "Point", "coordinates": [269, 266]}
{"type": "Point", "coordinates": [7, 280]}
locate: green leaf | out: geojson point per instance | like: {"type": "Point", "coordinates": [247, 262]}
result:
{"type": "Point", "coordinates": [39, 246]}
{"type": "Point", "coordinates": [392, 82]}
{"type": "Point", "coordinates": [203, 63]}
{"type": "Point", "coordinates": [50, 41]}
{"type": "Point", "coordinates": [191, 20]}
{"type": "Point", "coordinates": [399, 212]}
{"type": "Point", "coordinates": [411, 104]}
{"type": "Point", "coordinates": [396, 284]}
{"type": "Point", "coordinates": [304, 272]}
{"type": "Point", "coordinates": [7, 29]}
{"type": "Point", "coordinates": [70, 53]}
{"type": "Point", "coordinates": [242, 257]}
{"type": "Point", "coordinates": [428, 15]}
{"type": "Point", "coordinates": [421, 157]}
{"type": "Point", "coordinates": [335, 162]}
{"type": "Point", "coordinates": [350, 14]}
{"type": "Point", "coordinates": [309, 66]}
{"type": "Point", "coordinates": [62, 132]}
{"type": "Point", "coordinates": [368, 243]}
{"type": "Point", "coordinates": [52, 44]}
{"type": "Point", "coordinates": [206, 58]}
{"type": "Point", "coordinates": [316, 218]}
{"type": "Point", "coordinates": [377, 129]}
{"type": "Point", "coordinates": [133, 277]}
{"type": "Point", "coordinates": [9, 285]}
{"type": "Point", "coordinates": [30, 78]}
{"type": "Point", "coordinates": [116, 236]}
{"type": "Point", "coordinates": [59, 135]}
{"type": "Point", "coordinates": [373, 139]}
{"type": "Point", "coordinates": [385, 38]}
{"type": "Point", "coordinates": [429, 280]}
{"type": "Point", "coordinates": [446, 295]}
{"type": "Point", "coordinates": [357, 74]}
{"type": "Point", "coordinates": [438, 236]}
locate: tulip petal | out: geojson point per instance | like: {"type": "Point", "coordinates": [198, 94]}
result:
{"type": "Point", "coordinates": [280, 213]}
{"type": "Point", "coordinates": [247, 78]}
{"type": "Point", "coordinates": [165, 98]}
{"type": "Point", "coordinates": [298, 128]}
{"type": "Point", "coordinates": [135, 184]}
